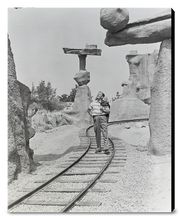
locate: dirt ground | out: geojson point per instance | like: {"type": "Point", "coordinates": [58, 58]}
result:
{"type": "Point", "coordinates": [56, 143]}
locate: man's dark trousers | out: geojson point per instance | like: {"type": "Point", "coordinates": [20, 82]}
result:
{"type": "Point", "coordinates": [100, 122]}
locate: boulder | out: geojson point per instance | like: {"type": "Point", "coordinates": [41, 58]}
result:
{"type": "Point", "coordinates": [160, 110]}
{"type": "Point", "coordinates": [82, 77]}
{"type": "Point", "coordinates": [127, 109]}
{"type": "Point", "coordinates": [114, 19]}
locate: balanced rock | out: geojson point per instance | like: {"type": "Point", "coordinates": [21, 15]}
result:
{"type": "Point", "coordinates": [114, 19]}
{"type": "Point", "coordinates": [82, 77]}
{"type": "Point", "coordinates": [149, 30]}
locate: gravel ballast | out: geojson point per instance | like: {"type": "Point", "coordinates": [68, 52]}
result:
{"type": "Point", "coordinates": [143, 184]}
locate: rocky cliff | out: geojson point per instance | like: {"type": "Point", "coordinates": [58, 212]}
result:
{"type": "Point", "coordinates": [20, 156]}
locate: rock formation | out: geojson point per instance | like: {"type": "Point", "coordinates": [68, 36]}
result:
{"type": "Point", "coordinates": [145, 31]}
{"type": "Point", "coordinates": [141, 70]}
{"type": "Point", "coordinates": [128, 108]}
{"type": "Point", "coordinates": [20, 155]}
{"type": "Point", "coordinates": [136, 89]}
{"type": "Point", "coordinates": [43, 121]}
{"type": "Point", "coordinates": [152, 30]}
{"type": "Point", "coordinates": [114, 19]}
{"type": "Point", "coordinates": [129, 89]}
{"type": "Point", "coordinates": [83, 94]}
{"type": "Point", "coordinates": [82, 77]}
{"type": "Point", "coordinates": [81, 104]}
{"type": "Point", "coordinates": [160, 111]}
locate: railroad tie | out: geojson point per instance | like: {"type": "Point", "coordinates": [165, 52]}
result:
{"type": "Point", "coordinates": [61, 203]}
{"type": "Point", "coordinates": [72, 174]}
{"type": "Point", "coordinates": [67, 190]}
{"type": "Point", "coordinates": [65, 181]}
{"type": "Point", "coordinates": [78, 181]}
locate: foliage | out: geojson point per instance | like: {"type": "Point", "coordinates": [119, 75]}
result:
{"type": "Point", "coordinates": [45, 96]}
{"type": "Point", "coordinates": [64, 98]}
{"type": "Point", "coordinates": [69, 98]}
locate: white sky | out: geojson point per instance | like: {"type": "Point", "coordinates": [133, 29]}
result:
{"type": "Point", "coordinates": [38, 35]}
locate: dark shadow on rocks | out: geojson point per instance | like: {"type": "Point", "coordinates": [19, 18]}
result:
{"type": "Point", "coordinates": [51, 157]}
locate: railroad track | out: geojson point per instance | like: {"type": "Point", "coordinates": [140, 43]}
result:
{"type": "Point", "coordinates": [83, 168]}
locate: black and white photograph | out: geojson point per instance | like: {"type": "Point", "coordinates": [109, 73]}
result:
{"type": "Point", "coordinates": [90, 110]}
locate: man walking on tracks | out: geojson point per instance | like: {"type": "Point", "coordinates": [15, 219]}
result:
{"type": "Point", "coordinates": [100, 110]}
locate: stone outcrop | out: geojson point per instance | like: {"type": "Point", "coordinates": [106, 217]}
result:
{"type": "Point", "coordinates": [136, 91]}
{"type": "Point", "coordinates": [141, 71]}
{"type": "Point", "coordinates": [20, 156]}
{"type": "Point", "coordinates": [114, 19]}
{"type": "Point", "coordinates": [149, 30]}
{"type": "Point", "coordinates": [129, 89]}
{"type": "Point", "coordinates": [81, 104]}
{"type": "Point", "coordinates": [160, 111]}
{"type": "Point", "coordinates": [128, 108]}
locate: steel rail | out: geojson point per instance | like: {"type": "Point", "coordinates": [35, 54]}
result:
{"type": "Point", "coordinates": [90, 185]}
{"type": "Point", "coordinates": [78, 197]}
{"type": "Point", "coordinates": [18, 201]}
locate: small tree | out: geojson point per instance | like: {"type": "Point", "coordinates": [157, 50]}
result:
{"type": "Point", "coordinates": [43, 95]}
